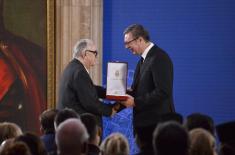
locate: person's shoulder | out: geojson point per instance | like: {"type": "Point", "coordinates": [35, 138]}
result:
{"type": "Point", "coordinates": [93, 149]}
{"type": "Point", "coordinates": [75, 65]}
{"type": "Point", "coordinates": [159, 53]}
{"type": "Point", "coordinates": [73, 68]}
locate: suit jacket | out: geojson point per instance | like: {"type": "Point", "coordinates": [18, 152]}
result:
{"type": "Point", "coordinates": [93, 150]}
{"type": "Point", "coordinates": [152, 88]}
{"type": "Point", "coordinates": [78, 92]}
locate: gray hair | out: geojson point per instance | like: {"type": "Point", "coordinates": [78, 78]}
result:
{"type": "Point", "coordinates": [80, 47]}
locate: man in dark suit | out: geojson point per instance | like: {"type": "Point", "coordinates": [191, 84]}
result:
{"type": "Point", "coordinates": [77, 90]}
{"type": "Point", "coordinates": [151, 95]}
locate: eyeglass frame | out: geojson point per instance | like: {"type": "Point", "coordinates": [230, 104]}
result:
{"type": "Point", "coordinates": [94, 52]}
{"type": "Point", "coordinates": [128, 42]}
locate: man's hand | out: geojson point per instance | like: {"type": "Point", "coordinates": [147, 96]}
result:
{"type": "Point", "coordinates": [116, 106]}
{"type": "Point", "coordinates": [129, 102]}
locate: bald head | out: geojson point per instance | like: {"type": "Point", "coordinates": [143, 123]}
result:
{"type": "Point", "coordinates": [71, 137]}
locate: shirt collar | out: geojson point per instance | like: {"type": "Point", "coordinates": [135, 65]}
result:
{"type": "Point", "coordinates": [144, 54]}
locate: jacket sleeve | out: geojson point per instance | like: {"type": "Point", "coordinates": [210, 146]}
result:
{"type": "Point", "coordinates": [101, 91]}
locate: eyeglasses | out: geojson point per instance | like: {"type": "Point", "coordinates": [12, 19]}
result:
{"type": "Point", "coordinates": [94, 52]}
{"type": "Point", "coordinates": [128, 42]}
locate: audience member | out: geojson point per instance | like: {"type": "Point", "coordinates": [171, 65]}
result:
{"type": "Point", "coordinates": [198, 120]}
{"type": "Point", "coordinates": [202, 142]}
{"type": "Point", "coordinates": [115, 144]}
{"type": "Point", "coordinates": [34, 143]}
{"type": "Point", "coordinates": [94, 131]}
{"type": "Point", "coordinates": [17, 148]}
{"type": "Point", "coordinates": [143, 142]}
{"type": "Point", "coordinates": [71, 138]}
{"type": "Point", "coordinates": [63, 115]}
{"type": "Point", "coordinates": [9, 130]}
{"type": "Point", "coordinates": [5, 144]}
{"type": "Point", "coordinates": [170, 138]}
{"type": "Point", "coordinates": [47, 128]}
{"type": "Point", "coordinates": [226, 135]}
{"type": "Point", "coordinates": [173, 116]}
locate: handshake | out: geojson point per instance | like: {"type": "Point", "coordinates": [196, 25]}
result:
{"type": "Point", "coordinates": [118, 106]}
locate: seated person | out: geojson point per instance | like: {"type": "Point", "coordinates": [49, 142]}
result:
{"type": "Point", "coordinates": [9, 130]}
{"type": "Point", "coordinates": [47, 128]}
{"type": "Point", "coordinates": [71, 137]}
{"type": "Point", "coordinates": [94, 131]}
{"type": "Point", "coordinates": [202, 142]}
{"type": "Point", "coordinates": [226, 135]}
{"type": "Point", "coordinates": [198, 120]}
{"type": "Point", "coordinates": [115, 144]}
{"type": "Point", "coordinates": [170, 138]}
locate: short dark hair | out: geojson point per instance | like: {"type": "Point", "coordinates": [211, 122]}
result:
{"type": "Point", "coordinates": [172, 116]}
{"type": "Point", "coordinates": [91, 124]}
{"type": "Point", "coordinates": [137, 30]}
{"type": "Point", "coordinates": [226, 136]}
{"type": "Point", "coordinates": [47, 120]}
{"type": "Point", "coordinates": [34, 143]}
{"type": "Point", "coordinates": [198, 120]}
{"type": "Point", "coordinates": [65, 114]}
{"type": "Point", "coordinates": [170, 138]}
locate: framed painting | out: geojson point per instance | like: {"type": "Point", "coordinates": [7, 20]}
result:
{"type": "Point", "coordinates": [26, 61]}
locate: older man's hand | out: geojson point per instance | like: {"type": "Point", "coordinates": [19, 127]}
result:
{"type": "Point", "coordinates": [129, 102]}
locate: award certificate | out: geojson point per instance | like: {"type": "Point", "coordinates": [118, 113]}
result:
{"type": "Point", "coordinates": [116, 80]}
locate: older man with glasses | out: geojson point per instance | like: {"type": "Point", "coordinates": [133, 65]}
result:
{"type": "Point", "coordinates": [77, 90]}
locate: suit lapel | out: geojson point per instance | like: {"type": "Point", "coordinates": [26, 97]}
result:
{"type": "Point", "coordinates": [139, 72]}
{"type": "Point", "coordinates": [136, 76]}
{"type": "Point", "coordinates": [147, 61]}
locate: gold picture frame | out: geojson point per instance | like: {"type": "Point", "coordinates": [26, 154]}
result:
{"type": "Point", "coordinates": [51, 54]}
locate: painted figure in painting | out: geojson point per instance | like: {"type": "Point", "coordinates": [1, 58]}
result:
{"type": "Point", "coordinates": [22, 79]}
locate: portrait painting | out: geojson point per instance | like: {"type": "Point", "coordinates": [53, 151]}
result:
{"type": "Point", "coordinates": [23, 62]}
